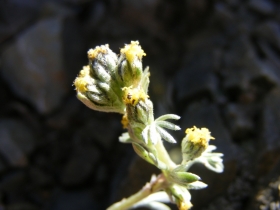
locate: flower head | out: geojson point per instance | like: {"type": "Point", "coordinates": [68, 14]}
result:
{"type": "Point", "coordinates": [195, 142]}
{"type": "Point", "coordinates": [133, 51]}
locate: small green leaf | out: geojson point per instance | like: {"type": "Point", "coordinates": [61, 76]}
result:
{"type": "Point", "coordinates": [187, 177]}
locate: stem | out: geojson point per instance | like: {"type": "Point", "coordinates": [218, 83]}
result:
{"type": "Point", "coordinates": [148, 189]}
{"type": "Point", "coordinates": [164, 156]}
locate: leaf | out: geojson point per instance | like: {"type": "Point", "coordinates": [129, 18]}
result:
{"type": "Point", "coordinates": [154, 135]}
{"type": "Point", "coordinates": [168, 125]}
{"type": "Point", "coordinates": [145, 134]}
{"type": "Point", "coordinates": [165, 135]}
{"type": "Point", "coordinates": [143, 153]}
{"type": "Point", "coordinates": [168, 116]}
{"type": "Point", "coordinates": [125, 138]}
{"type": "Point", "coordinates": [187, 177]}
{"type": "Point", "coordinates": [196, 185]}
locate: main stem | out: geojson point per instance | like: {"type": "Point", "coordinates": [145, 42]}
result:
{"type": "Point", "coordinates": [148, 189]}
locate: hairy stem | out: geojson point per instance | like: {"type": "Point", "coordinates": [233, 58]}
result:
{"type": "Point", "coordinates": [148, 189]}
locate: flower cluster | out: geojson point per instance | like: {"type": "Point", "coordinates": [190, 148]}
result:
{"type": "Point", "coordinates": [112, 83]}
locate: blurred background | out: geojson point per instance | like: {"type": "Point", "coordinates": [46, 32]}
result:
{"type": "Point", "coordinates": [215, 63]}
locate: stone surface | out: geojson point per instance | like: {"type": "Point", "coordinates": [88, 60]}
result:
{"type": "Point", "coordinates": [36, 56]}
{"type": "Point", "coordinates": [80, 166]}
{"type": "Point", "coordinates": [17, 141]}
{"type": "Point", "coordinates": [269, 144]}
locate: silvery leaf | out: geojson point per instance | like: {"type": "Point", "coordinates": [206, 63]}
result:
{"type": "Point", "coordinates": [168, 125]}
{"type": "Point", "coordinates": [165, 135]}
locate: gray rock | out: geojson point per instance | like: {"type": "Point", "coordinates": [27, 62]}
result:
{"type": "Point", "coordinates": [269, 144]}
{"type": "Point", "coordinates": [33, 66]}
{"type": "Point", "coordinates": [16, 142]}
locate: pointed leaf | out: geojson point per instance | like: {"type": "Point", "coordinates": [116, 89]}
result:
{"type": "Point", "coordinates": [168, 125]}
{"type": "Point", "coordinates": [187, 177]}
{"type": "Point", "coordinates": [165, 135]}
{"type": "Point", "coordinates": [196, 185]}
{"type": "Point", "coordinates": [168, 116]}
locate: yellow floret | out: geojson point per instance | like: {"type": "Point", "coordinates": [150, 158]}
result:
{"type": "Point", "coordinates": [92, 53]}
{"type": "Point", "coordinates": [80, 84]}
{"type": "Point", "coordinates": [82, 80]}
{"type": "Point", "coordinates": [124, 121]}
{"type": "Point", "coordinates": [199, 136]}
{"type": "Point", "coordinates": [132, 51]}
{"type": "Point", "coordinates": [133, 95]}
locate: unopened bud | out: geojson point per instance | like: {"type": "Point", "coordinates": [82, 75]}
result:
{"type": "Point", "coordinates": [195, 143]}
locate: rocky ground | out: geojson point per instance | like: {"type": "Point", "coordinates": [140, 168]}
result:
{"type": "Point", "coordinates": [215, 63]}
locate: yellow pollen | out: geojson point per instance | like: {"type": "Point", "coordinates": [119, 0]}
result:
{"type": "Point", "coordinates": [80, 84]}
{"type": "Point", "coordinates": [133, 95]}
{"type": "Point", "coordinates": [185, 206]}
{"type": "Point", "coordinates": [92, 53]}
{"type": "Point", "coordinates": [199, 136]}
{"type": "Point", "coordinates": [124, 121]}
{"type": "Point", "coordinates": [132, 51]}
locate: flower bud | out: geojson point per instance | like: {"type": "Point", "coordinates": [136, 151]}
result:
{"type": "Point", "coordinates": [180, 195]}
{"type": "Point", "coordinates": [96, 94]}
{"type": "Point", "coordinates": [130, 71]}
{"type": "Point", "coordinates": [195, 143]}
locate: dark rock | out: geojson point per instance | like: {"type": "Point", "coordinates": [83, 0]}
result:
{"type": "Point", "coordinates": [243, 68]}
{"type": "Point", "coordinates": [33, 66]}
{"type": "Point", "coordinates": [15, 15]}
{"type": "Point", "coordinates": [207, 115]}
{"type": "Point", "coordinates": [13, 181]}
{"type": "Point", "coordinates": [80, 166]}
{"type": "Point", "coordinates": [240, 119]}
{"type": "Point", "coordinates": [104, 131]}
{"type": "Point", "coordinates": [72, 200]}
{"type": "Point", "coordinates": [269, 145]}
{"type": "Point", "coordinates": [38, 178]}
{"type": "Point", "coordinates": [264, 7]}
{"type": "Point", "coordinates": [196, 79]}
{"type": "Point", "coordinates": [22, 206]}
{"type": "Point", "coordinates": [270, 32]}
{"type": "Point", "coordinates": [16, 142]}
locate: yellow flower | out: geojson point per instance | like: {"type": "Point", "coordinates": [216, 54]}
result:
{"type": "Point", "coordinates": [199, 136]}
{"type": "Point", "coordinates": [92, 53]}
{"type": "Point", "coordinates": [195, 143]}
{"type": "Point", "coordinates": [124, 121]}
{"type": "Point", "coordinates": [133, 95]}
{"type": "Point", "coordinates": [82, 80]}
{"type": "Point", "coordinates": [133, 51]}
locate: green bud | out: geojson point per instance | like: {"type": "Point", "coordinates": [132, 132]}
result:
{"type": "Point", "coordinates": [180, 195]}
